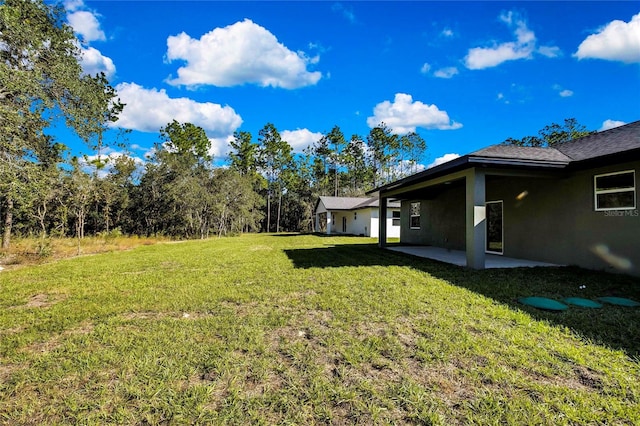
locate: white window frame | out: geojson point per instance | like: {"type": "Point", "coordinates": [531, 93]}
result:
{"type": "Point", "coordinates": [395, 218]}
{"type": "Point", "coordinates": [597, 192]}
{"type": "Point", "coordinates": [411, 216]}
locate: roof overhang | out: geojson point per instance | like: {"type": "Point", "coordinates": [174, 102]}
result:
{"type": "Point", "coordinates": [455, 169]}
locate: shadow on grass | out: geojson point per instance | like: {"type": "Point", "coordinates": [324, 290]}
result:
{"type": "Point", "coordinates": [614, 326]}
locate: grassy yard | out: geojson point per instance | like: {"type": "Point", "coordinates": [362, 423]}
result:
{"type": "Point", "coordinates": [268, 329]}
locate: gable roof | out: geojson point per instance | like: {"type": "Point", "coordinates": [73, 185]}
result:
{"type": "Point", "coordinates": [341, 203]}
{"type": "Point", "coordinates": [620, 141]}
{"type": "Point", "coordinates": [352, 203]}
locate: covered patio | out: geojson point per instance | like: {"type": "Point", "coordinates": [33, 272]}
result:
{"type": "Point", "coordinates": [459, 257]}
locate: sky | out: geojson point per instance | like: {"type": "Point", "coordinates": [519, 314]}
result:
{"type": "Point", "coordinates": [464, 75]}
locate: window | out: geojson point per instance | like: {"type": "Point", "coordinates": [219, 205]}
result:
{"type": "Point", "coordinates": [414, 212]}
{"type": "Point", "coordinates": [615, 191]}
{"type": "Point", "coordinates": [396, 218]}
{"type": "Point", "coordinates": [495, 230]}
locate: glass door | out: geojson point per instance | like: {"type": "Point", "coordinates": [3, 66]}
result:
{"type": "Point", "coordinates": [495, 232]}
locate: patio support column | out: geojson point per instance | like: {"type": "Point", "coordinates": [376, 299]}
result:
{"type": "Point", "coordinates": [329, 222]}
{"type": "Point", "coordinates": [475, 219]}
{"type": "Point", "coordinates": [382, 223]}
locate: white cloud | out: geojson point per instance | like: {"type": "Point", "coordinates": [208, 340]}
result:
{"type": "Point", "coordinates": [549, 51]}
{"type": "Point", "coordinates": [73, 5]}
{"type": "Point", "coordinates": [486, 57]}
{"type": "Point", "coordinates": [404, 115]}
{"type": "Point", "coordinates": [565, 93]}
{"type": "Point", "coordinates": [94, 62]}
{"type": "Point", "coordinates": [346, 12]}
{"type": "Point", "coordinates": [425, 68]}
{"type": "Point", "coordinates": [300, 139]}
{"type": "Point", "coordinates": [610, 124]}
{"type": "Point", "coordinates": [617, 41]}
{"type": "Point", "coordinates": [523, 48]}
{"type": "Point", "coordinates": [441, 160]}
{"type": "Point", "coordinates": [148, 110]}
{"type": "Point", "coordinates": [447, 72]}
{"type": "Point", "coordinates": [220, 146]}
{"type": "Point", "coordinates": [446, 33]}
{"type": "Point", "coordinates": [86, 24]}
{"type": "Point", "coordinates": [237, 54]}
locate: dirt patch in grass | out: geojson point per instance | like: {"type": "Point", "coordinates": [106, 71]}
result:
{"type": "Point", "coordinates": [41, 300]}
{"type": "Point", "coordinates": [155, 316]}
{"type": "Point", "coordinates": [56, 340]}
{"type": "Point", "coordinates": [6, 370]}
{"type": "Point", "coordinates": [588, 378]}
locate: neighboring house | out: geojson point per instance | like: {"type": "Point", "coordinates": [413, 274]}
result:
{"type": "Point", "coordinates": [357, 216]}
{"type": "Point", "coordinates": [575, 204]}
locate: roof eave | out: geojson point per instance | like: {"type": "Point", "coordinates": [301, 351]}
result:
{"type": "Point", "coordinates": [437, 170]}
{"type": "Point", "coordinates": [518, 162]}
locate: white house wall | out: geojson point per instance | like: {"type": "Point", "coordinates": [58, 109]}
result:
{"type": "Point", "coordinates": [361, 222]}
{"type": "Point", "coordinates": [392, 231]}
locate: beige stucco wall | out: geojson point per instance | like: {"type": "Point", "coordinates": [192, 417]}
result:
{"type": "Point", "coordinates": [555, 221]}
{"type": "Point", "coordinates": [442, 221]}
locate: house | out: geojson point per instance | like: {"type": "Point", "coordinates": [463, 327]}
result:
{"type": "Point", "coordinates": [574, 204]}
{"type": "Point", "coordinates": [356, 216]}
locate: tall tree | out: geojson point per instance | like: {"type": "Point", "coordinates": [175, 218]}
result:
{"type": "Point", "coordinates": [187, 140]}
{"type": "Point", "coordinates": [383, 144]}
{"type": "Point", "coordinates": [413, 146]}
{"type": "Point", "coordinates": [41, 80]}
{"type": "Point", "coordinates": [244, 153]}
{"type": "Point", "coordinates": [320, 151]}
{"type": "Point", "coordinates": [183, 176]}
{"type": "Point", "coordinates": [335, 141]}
{"type": "Point", "coordinates": [355, 158]}
{"type": "Point", "coordinates": [81, 191]}
{"type": "Point", "coordinates": [276, 157]}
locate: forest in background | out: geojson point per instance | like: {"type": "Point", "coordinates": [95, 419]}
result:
{"type": "Point", "coordinates": [178, 192]}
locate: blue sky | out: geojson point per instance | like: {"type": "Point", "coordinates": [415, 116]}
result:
{"type": "Point", "coordinates": [464, 75]}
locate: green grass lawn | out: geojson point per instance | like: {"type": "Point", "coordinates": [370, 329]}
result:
{"type": "Point", "coordinates": [268, 329]}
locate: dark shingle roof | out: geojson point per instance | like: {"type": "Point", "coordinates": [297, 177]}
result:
{"type": "Point", "coordinates": [600, 144]}
{"type": "Point", "coordinates": [613, 141]}
{"type": "Point", "coordinates": [341, 203]}
{"type": "Point", "coordinates": [522, 153]}
{"type": "Point", "coordinates": [352, 203]}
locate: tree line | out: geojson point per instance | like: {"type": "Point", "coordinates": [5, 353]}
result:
{"type": "Point", "coordinates": [178, 192]}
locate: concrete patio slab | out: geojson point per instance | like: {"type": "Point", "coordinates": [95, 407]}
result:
{"type": "Point", "coordinates": [459, 257]}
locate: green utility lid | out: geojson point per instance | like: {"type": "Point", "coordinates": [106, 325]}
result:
{"type": "Point", "coordinates": [583, 303]}
{"type": "Point", "coordinates": [620, 301]}
{"type": "Point", "coordinates": [543, 303]}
